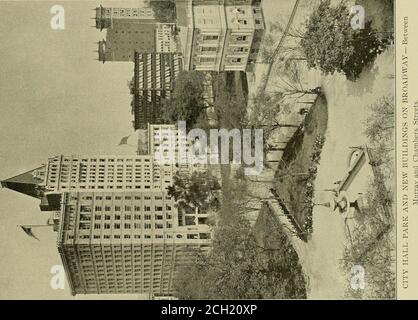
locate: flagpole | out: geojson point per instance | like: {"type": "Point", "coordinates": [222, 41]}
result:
{"type": "Point", "coordinates": [28, 229]}
{"type": "Point", "coordinates": [34, 225]}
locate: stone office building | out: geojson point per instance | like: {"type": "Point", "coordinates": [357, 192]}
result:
{"type": "Point", "coordinates": [124, 242]}
{"type": "Point", "coordinates": [118, 229]}
{"type": "Point", "coordinates": [118, 173]}
{"type": "Point", "coordinates": [220, 35]}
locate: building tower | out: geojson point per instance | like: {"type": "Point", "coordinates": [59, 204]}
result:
{"type": "Point", "coordinates": [106, 16]}
{"type": "Point", "coordinates": [132, 29]}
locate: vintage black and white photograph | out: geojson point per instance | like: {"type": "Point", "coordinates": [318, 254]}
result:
{"type": "Point", "coordinates": [199, 149]}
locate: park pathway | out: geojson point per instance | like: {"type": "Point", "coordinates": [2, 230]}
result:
{"type": "Point", "coordinates": [347, 108]}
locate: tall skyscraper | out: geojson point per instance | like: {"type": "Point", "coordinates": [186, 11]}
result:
{"type": "Point", "coordinates": [79, 173]}
{"type": "Point", "coordinates": [125, 242]}
{"type": "Point", "coordinates": [119, 173]}
{"type": "Point", "coordinates": [118, 229]}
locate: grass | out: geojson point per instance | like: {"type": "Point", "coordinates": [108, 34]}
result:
{"type": "Point", "coordinates": [275, 268]}
{"type": "Point", "coordinates": [231, 97]}
{"type": "Point", "coordinates": [269, 234]}
{"type": "Point", "coordinates": [296, 160]}
{"type": "Point", "coordinates": [372, 231]}
{"type": "Point", "coordinates": [373, 244]}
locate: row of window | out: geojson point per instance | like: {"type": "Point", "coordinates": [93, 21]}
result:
{"type": "Point", "coordinates": [129, 217]}
{"type": "Point", "coordinates": [118, 187]}
{"type": "Point", "coordinates": [128, 225]}
{"type": "Point", "coordinates": [125, 197]}
{"type": "Point", "coordinates": [85, 208]}
{"type": "Point", "coordinates": [118, 236]}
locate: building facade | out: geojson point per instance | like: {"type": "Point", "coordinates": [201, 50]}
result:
{"type": "Point", "coordinates": [125, 242]}
{"type": "Point", "coordinates": [166, 146]}
{"type": "Point", "coordinates": [220, 35]}
{"type": "Point", "coordinates": [165, 38]}
{"type": "Point", "coordinates": [151, 86]}
{"type": "Point", "coordinates": [106, 16]}
{"type": "Point", "coordinates": [129, 30]}
{"type": "Point", "coordinates": [118, 173]}
{"type": "Point", "coordinates": [137, 173]}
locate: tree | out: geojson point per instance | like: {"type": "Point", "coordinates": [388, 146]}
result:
{"type": "Point", "coordinates": [270, 50]}
{"type": "Point", "coordinates": [187, 100]}
{"type": "Point", "coordinates": [196, 190]}
{"type": "Point", "coordinates": [288, 83]}
{"type": "Point", "coordinates": [372, 245]}
{"type": "Point", "coordinates": [380, 124]}
{"type": "Point", "coordinates": [380, 131]}
{"type": "Point", "coordinates": [164, 10]}
{"type": "Point", "coordinates": [332, 45]}
{"type": "Point", "coordinates": [244, 263]}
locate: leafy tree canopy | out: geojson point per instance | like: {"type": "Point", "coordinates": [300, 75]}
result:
{"type": "Point", "coordinates": [197, 190]}
{"type": "Point", "coordinates": [164, 10]}
{"type": "Point", "coordinates": [187, 102]}
{"type": "Point", "coordinates": [238, 267]}
{"type": "Point", "coordinates": [332, 45]}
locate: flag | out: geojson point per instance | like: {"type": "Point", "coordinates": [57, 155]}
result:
{"type": "Point", "coordinates": [29, 232]}
{"type": "Point", "coordinates": [123, 141]}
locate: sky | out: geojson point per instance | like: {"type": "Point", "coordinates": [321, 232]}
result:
{"type": "Point", "coordinates": [55, 98]}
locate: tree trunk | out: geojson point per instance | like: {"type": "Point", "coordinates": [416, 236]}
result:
{"type": "Point", "coordinates": [276, 149]}
{"type": "Point", "coordinates": [297, 59]}
{"type": "Point", "coordinates": [299, 174]}
{"type": "Point", "coordinates": [285, 125]}
{"type": "Point", "coordinates": [262, 181]}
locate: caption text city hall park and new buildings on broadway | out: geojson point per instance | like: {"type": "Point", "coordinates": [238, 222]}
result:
{"type": "Point", "coordinates": [118, 229]}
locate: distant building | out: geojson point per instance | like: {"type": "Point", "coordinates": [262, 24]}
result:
{"type": "Point", "coordinates": [129, 30]}
{"type": "Point", "coordinates": [165, 38]}
{"type": "Point", "coordinates": [220, 35]}
{"type": "Point", "coordinates": [164, 139]}
{"type": "Point", "coordinates": [151, 86]}
{"type": "Point", "coordinates": [105, 17]}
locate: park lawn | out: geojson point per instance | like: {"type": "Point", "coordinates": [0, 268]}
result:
{"type": "Point", "coordinates": [284, 277]}
{"type": "Point", "coordinates": [297, 158]}
{"type": "Point", "coordinates": [231, 97]}
{"type": "Point", "coordinates": [269, 234]}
